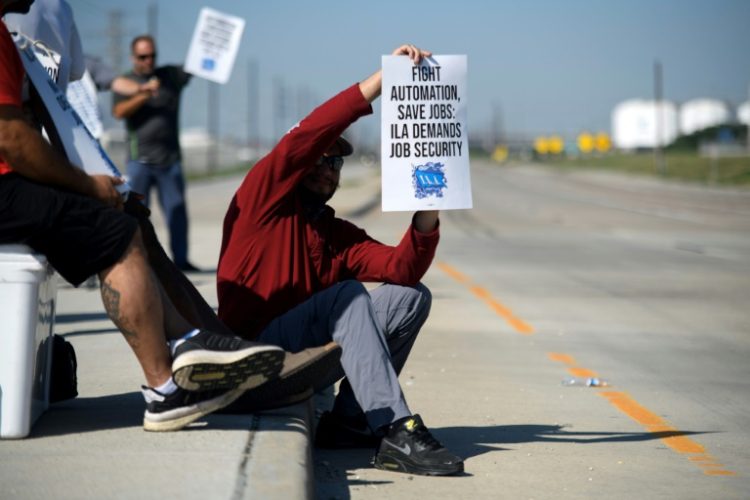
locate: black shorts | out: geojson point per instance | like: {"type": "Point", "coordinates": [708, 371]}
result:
{"type": "Point", "coordinates": [79, 235]}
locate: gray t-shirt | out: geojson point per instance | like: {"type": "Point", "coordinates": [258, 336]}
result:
{"type": "Point", "coordinates": [153, 130]}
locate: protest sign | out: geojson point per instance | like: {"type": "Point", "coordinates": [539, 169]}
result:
{"type": "Point", "coordinates": [81, 149]}
{"type": "Point", "coordinates": [424, 145]}
{"type": "Point", "coordinates": [214, 47]}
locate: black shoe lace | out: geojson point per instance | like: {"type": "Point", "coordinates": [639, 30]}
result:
{"type": "Point", "coordinates": [425, 438]}
{"type": "Point", "coordinates": [221, 342]}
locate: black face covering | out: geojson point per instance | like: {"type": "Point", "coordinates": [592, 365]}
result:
{"type": "Point", "coordinates": [313, 203]}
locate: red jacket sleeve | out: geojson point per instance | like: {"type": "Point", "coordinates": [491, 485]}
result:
{"type": "Point", "coordinates": [11, 70]}
{"type": "Point", "coordinates": [366, 259]}
{"type": "Point", "coordinates": [277, 174]}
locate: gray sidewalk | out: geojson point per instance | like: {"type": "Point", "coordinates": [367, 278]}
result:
{"type": "Point", "coordinates": [94, 446]}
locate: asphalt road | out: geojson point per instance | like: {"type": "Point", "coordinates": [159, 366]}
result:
{"type": "Point", "coordinates": [642, 283]}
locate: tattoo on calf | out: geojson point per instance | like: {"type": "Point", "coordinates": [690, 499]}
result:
{"type": "Point", "coordinates": [111, 300]}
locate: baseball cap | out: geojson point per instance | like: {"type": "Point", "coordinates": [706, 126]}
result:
{"type": "Point", "coordinates": [344, 147]}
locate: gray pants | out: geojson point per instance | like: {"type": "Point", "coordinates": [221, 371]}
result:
{"type": "Point", "coordinates": [376, 330]}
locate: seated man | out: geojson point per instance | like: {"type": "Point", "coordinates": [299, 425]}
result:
{"type": "Point", "coordinates": [287, 258]}
{"type": "Point", "coordinates": [76, 221]}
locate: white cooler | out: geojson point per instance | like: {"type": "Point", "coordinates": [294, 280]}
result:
{"type": "Point", "coordinates": [28, 289]}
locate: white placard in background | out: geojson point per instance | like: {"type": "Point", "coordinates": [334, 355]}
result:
{"type": "Point", "coordinates": [424, 145]}
{"type": "Point", "coordinates": [214, 46]}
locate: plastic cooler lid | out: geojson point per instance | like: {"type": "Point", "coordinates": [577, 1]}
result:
{"type": "Point", "coordinates": [21, 256]}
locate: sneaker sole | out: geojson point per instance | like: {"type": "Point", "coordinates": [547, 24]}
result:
{"type": "Point", "coordinates": [294, 383]}
{"type": "Point", "coordinates": [208, 370]}
{"type": "Point", "coordinates": [180, 417]}
{"type": "Point", "coordinates": [383, 461]}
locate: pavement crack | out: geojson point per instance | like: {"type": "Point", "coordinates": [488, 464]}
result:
{"type": "Point", "coordinates": [240, 484]}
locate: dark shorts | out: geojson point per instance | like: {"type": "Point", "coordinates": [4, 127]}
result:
{"type": "Point", "coordinates": [79, 236]}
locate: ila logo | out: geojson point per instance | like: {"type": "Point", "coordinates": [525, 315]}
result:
{"type": "Point", "coordinates": [429, 180]}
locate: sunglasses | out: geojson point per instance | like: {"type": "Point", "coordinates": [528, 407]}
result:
{"type": "Point", "coordinates": [333, 162]}
{"type": "Point", "coordinates": [143, 57]}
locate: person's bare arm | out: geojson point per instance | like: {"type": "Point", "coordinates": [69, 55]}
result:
{"type": "Point", "coordinates": [125, 86]}
{"type": "Point", "coordinates": [28, 154]}
{"type": "Point", "coordinates": [138, 94]}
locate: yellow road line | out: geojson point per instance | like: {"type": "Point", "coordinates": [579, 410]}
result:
{"type": "Point", "coordinates": [671, 436]}
{"type": "Point", "coordinates": [453, 273]}
{"type": "Point", "coordinates": [654, 423]}
{"type": "Point", "coordinates": [483, 294]}
{"type": "Point", "coordinates": [582, 372]}
{"type": "Point", "coordinates": [566, 359]}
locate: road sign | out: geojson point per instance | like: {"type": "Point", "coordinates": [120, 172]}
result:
{"type": "Point", "coordinates": [585, 143]}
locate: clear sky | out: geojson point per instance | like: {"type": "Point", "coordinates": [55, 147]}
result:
{"type": "Point", "coordinates": [541, 66]}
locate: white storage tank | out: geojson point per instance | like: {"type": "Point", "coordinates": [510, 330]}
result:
{"type": "Point", "coordinates": [743, 113]}
{"type": "Point", "coordinates": [634, 124]}
{"type": "Point", "coordinates": [699, 114]}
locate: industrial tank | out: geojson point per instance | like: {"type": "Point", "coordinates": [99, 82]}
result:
{"type": "Point", "coordinates": [699, 114]}
{"type": "Point", "coordinates": [635, 124]}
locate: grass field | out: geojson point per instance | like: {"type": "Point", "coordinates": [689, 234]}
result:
{"type": "Point", "coordinates": [686, 166]}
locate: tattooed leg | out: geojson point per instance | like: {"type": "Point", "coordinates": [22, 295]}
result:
{"type": "Point", "coordinates": [111, 300]}
{"type": "Point", "coordinates": [133, 301]}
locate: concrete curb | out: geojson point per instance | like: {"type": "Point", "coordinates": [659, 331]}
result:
{"type": "Point", "coordinates": [277, 459]}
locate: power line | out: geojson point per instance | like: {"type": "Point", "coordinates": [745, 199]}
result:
{"type": "Point", "coordinates": [115, 34]}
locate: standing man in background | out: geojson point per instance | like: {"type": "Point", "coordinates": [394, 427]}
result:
{"type": "Point", "coordinates": [152, 120]}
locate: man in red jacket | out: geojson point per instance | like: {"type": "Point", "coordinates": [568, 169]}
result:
{"type": "Point", "coordinates": [290, 273]}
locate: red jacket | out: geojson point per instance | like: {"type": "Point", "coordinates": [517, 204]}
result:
{"type": "Point", "coordinates": [11, 78]}
{"type": "Point", "coordinates": [273, 258]}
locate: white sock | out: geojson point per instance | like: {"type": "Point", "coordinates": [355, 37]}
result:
{"type": "Point", "coordinates": [167, 387]}
{"type": "Point", "coordinates": [173, 344]}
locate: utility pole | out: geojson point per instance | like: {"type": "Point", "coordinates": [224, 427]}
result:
{"type": "Point", "coordinates": [279, 107]}
{"type": "Point", "coordinates": [153, 21]}
{"type": "Point", "coordinates": [115, 34]}
{"type": "Point", "coordinates": [659, 162]}
{"type": "Point", "coordinates": [213, 126]}
{"type": "Point", "coordinates": [497, 125]}
{"type": "Point", "coordinates": [253, 105]}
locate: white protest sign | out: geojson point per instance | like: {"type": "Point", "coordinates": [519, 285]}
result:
{"type": "Point", "coordinates": [82, 95]}
{"type": "Point", "coordinates": [80, 146]}
{"type": "Point", "coordinates": [214, 47]}
{"type": "Point", "coordinates": [424, 145]}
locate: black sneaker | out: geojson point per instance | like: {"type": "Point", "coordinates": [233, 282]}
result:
{"type": "Point", "coordinates": [337, 432]}
{"type": "Point", "coordinates": [174, 411]}
{"type": "Point", "coordinates": [211, 361]}
{"type": "Point", "coordinates": [409, 447]}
